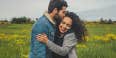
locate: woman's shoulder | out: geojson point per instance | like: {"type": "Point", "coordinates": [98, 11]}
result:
{"type": "Point", "coordinates": [70, 36]}
{"type": "Point", "coordinates": [70, 39]}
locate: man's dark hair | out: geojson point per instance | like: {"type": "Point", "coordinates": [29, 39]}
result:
{"type": "Point", "coordinates": [56, 4]}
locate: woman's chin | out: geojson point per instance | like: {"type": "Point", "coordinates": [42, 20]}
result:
{"type": "Point", "coordinates": [62, 31]}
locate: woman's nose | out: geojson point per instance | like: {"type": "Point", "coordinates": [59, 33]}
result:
{"type": "Point", "coordinates": [64, 26]}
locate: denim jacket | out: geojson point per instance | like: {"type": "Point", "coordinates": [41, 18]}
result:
{"type": "Point", "coordinates": [43, 25]}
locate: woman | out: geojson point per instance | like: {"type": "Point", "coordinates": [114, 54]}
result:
{"type": "Point", "coordinates": [69, 31]}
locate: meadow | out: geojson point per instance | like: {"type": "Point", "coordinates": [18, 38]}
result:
{"type": "Point", "coordinates": [100, 42]}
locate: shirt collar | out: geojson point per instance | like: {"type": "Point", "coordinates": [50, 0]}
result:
{"type": "Point", "coordinates": [49, 18]}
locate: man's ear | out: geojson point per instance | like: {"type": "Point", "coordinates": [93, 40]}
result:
{"type": "Point", "coordinates": [55, 10]}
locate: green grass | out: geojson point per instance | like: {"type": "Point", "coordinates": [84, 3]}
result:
{"type": "Point", "coordinates": [98, 50]}
{"type": "Point", "coordinates": [9, 48]}
{"type": "Point", "coordinates": [101, 29]}
{"type": "Point", "coordinates": [15, 43]}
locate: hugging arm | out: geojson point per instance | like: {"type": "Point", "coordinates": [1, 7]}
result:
{"type": "Point", "coordinates": [69, 42]}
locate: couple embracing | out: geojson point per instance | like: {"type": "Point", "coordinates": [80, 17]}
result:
{"type": "Point", "coordinates": [56, 33]}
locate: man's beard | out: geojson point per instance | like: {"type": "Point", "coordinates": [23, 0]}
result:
{"type": "Point", "coordinates": [57, 19]}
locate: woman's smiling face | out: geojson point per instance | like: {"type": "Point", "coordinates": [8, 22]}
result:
{"type": "Point", "coordinates": [65, 24]}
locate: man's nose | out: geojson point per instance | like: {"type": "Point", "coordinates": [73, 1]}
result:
{"type": "Point", "coordinates": [64, 15]}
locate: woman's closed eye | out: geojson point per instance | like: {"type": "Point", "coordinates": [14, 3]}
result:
{"type": "Point", "coordinates": [68, 26]}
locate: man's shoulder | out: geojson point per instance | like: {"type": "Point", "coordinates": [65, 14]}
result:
{"type": "Point", "coordinates": [42, 19]}
{"type": "Point", "coordinates": [41, 22]}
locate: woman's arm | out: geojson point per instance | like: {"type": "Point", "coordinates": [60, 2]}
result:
{"type": "Point", "coordinates": [69, 42]}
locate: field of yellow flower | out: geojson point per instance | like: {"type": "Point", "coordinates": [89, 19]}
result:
{"type": "Point", "coordinates": [14, 40]}
{"type": "Point", "coordinates": [100, 42]}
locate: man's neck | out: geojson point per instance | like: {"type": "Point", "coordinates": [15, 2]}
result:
{"type": "Point", "coordinates": [52, 16]}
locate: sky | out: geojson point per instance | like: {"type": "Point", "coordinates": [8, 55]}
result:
{"type": "Point", "coordinates": [86, 9]}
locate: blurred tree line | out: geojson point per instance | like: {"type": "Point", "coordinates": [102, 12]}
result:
{"type": "Point", "coordinates": [101, 21]}
{"type": "Point", "coordinates": [25, 20]}
{"type": "Point", "coordinates": [105, 21]}
{"type": "Point", "coordinates": [20, 20]}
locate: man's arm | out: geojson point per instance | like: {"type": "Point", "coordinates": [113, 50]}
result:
{"type": "Point", "coordinates": [38, 48]}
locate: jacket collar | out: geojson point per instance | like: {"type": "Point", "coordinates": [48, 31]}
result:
{"type": "Point", "coordinates": [49, 18]}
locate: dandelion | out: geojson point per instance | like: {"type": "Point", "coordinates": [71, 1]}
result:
{"type": "Point", "coordinates": [114, 37]}
{"type": "Point", "coordinates": [20, 42]}
{"type": "Point", "coordinates": [2, 36]}
{"type": "Point", "coordinates": [111, 36]}
{"type": "Point", "coordinates": [87, 38]}
{"type": "Point", "coordinates": [15, 36]}
{"type": "Point", "coordinates": [97, 37]}
{"type": "Point", "coordinates": [25, 56]}
{"type": "Point", "coordinates": [105, 39]}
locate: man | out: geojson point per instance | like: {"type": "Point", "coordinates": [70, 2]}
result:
{"type": "Point", "coordinates": [46, 24]}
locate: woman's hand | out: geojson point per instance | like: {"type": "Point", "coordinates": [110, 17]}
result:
{"type": "Point", "coordinates": [42, 38]}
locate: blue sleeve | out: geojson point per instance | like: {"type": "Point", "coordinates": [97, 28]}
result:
{"type": "Point", "coordinates": [38, 49]}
